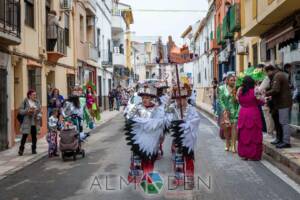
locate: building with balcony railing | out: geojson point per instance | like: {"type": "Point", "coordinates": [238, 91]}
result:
{"type": "Point", "coordinates": [10, 26]}
{"type": "Point", "coordinates": [10, 34]}
{"type": "Point", "coordinates": [56, 44]}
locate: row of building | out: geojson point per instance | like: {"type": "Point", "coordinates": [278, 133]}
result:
{"type": "Point", "coordinates": [57, 44]}
{"type": "Point", "coordinates": [236, 34]}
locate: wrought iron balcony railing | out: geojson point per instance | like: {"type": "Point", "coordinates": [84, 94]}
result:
{"type": "Point", "coordinates": [10, 20]}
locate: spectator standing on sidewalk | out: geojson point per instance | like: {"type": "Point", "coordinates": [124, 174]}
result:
{"type": "Point", "coordinates": [54, 125]}
{"type": "Point", "coordinates": [30, 109]}
{"type": "Point", "coordinates": [55, 101]}
{"type": "Point", "coordinates": [215, 91]}
{"type": "Point", "coordinates": [118, 97]}
{"type": "Point", "coordinates": [111, 100]}
{"type": "Point", "coordinates": [281, 96]}
{"type": "Point", "coordinates": [249, 122]}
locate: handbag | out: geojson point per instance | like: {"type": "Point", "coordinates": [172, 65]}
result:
{"type": "Point", "coordinates": [20, 117]}
{"type": "Point", "coordinates": [94, 106]}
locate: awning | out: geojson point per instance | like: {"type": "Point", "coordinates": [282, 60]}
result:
{"type": "Point", "coordinates": [33, 63]}
{"type": "Point", "coordinates": [283, 36]}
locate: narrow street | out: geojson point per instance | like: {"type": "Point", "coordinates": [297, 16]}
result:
{"type": "Point", "coordinates": [98, 175]}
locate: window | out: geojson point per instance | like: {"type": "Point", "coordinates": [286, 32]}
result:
{"type": "Point", "coordinates": [98, 42]}
{"type": "Point", "coordinates": [81, 28]}
{"type": "Point", "coordinates": [255, 55]}
{"type": "Point", "coordinates": [70, 83]}
{"type": "Point", "coordinates": [147, 75]}
{"type": "Point", "coordinates": [29, 13]}
{"type": "Point", "coordinates": [268, 57]}
{"type": "Point", "coordinates": [294, 46]}
{"type": "Point", "coordinates": [67, 29]}
{"type": "Point", "coordinates": [35, 81]}
{"type": "Point", "coordinates": [275, 53]}
{"type": "Point", "coordinates": [205, 74]}
{"type": "Point", "coordinates": [199, 77]}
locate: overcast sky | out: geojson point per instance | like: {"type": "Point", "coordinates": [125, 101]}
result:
{"type": "Point", "coordinates": [164, 24]}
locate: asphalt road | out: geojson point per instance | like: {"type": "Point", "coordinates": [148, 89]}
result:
{"type": "Point", "coordinates": [101, 175]}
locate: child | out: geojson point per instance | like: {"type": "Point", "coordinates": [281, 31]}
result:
{"type": "Point", "coordinates": [53, 128]}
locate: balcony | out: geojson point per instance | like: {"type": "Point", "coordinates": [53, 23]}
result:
{"type": "Point", "coordinates": [93, 52]}
{"type": "Point", "coordinates": [10, 26]}
{"type": "Point", "coordinates": [118, 59]}
{"type": "Point", "coordinates": [269, 13]}
{"type": "Point", "coordinates": [91, 7]}
{"type": "Point", "coordinates": [56, 44]}
{"type": "Point", "coordinates": [106, 56]}
{"type": "Point", "coordinates": [235, 18]}
{"type": "Point", "coordinates": [226, 34]}
{"type": "Point", "coordinates": [118, 23]}
{"type": "Point", "coordinates": [219, 35]}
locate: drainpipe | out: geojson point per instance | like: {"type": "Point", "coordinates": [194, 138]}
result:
{"type": "Point", "coordinates": [74, 41]}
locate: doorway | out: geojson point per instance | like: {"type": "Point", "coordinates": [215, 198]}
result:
{"type": "Point", "coordinates": [3, 110]}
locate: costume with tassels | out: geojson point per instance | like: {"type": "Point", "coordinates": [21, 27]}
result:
{"type": "Point", "coordinates": [143, 130]}
{"type": "Point", "coordinates": [184, 130]}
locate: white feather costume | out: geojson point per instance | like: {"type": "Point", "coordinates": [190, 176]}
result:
{"type": "Point", "coordinates": [144, 129]}
{"type": "Point", "coordinates": [185, 131]}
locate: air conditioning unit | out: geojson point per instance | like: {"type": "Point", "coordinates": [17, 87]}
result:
{"type": "Point", "coordinates": [66, 4]}
{"type": "Point", "coordinates": [241, 48]}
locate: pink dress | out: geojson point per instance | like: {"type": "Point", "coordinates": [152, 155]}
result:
{"type": "Point", "coordinates": [250, 127]}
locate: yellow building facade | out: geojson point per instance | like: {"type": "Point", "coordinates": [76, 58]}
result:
{"type": "Point", "coordinates": [34, 65]}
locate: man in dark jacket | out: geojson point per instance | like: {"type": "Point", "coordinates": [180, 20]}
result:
{"type": "Point", "coordinates": [281, 97]}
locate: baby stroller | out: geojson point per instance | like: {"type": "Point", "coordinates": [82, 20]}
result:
{"type": "Point", "coordinates": [70, 142]}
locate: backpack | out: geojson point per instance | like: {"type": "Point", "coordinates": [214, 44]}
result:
{"type": "Point", "coordinates": [20, 117]}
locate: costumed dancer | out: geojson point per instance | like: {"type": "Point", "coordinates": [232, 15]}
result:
{"type": "Point", "coordinates": [143, 130]}
{"type": "Point", "coordinates": [229, 107]}
{"type": "Point", "coordinates": [91, 103]}
{"type": "Point", "coordinates": [164, 101]}
{"type": "Point", "coordinates": [184, 130]}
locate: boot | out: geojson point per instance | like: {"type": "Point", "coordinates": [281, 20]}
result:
{"type": "Point", "coordinates": [21, 151]}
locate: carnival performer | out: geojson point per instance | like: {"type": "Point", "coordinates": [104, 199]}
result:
{"type": "Point", "coordinates": [164, 102]}
{"type": "Point", "coordinates": [185, 123]}
{"type": "Point", "coordinates": [91, 102]}
{"type": "Point", "coordinates": [143, 130]}
{"type": "Point", "coordinates": [229, 107]}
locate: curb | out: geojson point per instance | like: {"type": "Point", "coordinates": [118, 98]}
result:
{"type": "Point", "coordinates": [42, 155]}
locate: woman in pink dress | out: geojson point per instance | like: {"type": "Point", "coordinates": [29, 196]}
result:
{"type": "Point", "coordinates": [249, 122]}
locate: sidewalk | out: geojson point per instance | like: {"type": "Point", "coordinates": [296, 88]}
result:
{"type": "Point", "coordinates": [10, 162]}
{"type": "Point", "coordinates": [287, 160]}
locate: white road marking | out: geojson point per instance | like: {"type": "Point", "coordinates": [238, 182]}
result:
{"type": "Point", "coordinates": [281, 175]}
{"type": "Point", "coordinates": [15, 185]}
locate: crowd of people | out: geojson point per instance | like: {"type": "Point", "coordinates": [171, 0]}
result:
{"type": "Point", "coordinates": [254, 102]}
{"type": "Point", "coordinates": [81, 104]}
{"type": "Point", "coordinates": [257, 100]}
